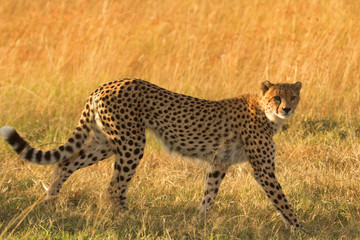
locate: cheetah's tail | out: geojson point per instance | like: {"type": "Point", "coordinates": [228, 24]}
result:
{"type": "Point", "coordinates": [72, 145]}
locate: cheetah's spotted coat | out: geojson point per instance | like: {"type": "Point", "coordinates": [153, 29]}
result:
{"type": "Point", "coordinates": [220, 132]}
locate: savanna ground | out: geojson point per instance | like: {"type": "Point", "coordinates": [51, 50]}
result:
{"type": "Point", "coordinates": [54, 53]}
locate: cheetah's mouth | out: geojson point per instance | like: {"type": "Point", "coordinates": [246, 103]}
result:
{"type": "Point", "coordinates": [284, 115]}
{"type": "Point", "coordinates": [274, 116]}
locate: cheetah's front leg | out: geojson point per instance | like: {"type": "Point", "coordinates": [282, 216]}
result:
{"type": "Point", "coordinates": [265, 176]}
{"type": "Point", "coordinates": [214, 176]}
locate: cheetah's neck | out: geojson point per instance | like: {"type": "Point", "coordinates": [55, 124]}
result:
{"type": "Point", "coordinates": [272, 119]}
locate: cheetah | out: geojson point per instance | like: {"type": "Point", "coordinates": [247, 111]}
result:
{"type": "Point", "coordinates": [220, 133]}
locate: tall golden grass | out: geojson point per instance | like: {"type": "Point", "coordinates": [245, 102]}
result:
{"type": "Point", "coordinates": [54, 53]}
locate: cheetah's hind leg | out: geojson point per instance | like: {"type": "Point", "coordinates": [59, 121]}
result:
{"type": "Point", "coordinates": [124, 169]}
{"type": "Point", "coordinates": [94, 150]}
{"type": "Point", "coordinates": [214, 175]}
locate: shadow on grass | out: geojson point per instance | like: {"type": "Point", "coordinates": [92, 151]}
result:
{"type": "Point", "coordinates": [87, 219]}
{"type": "Point", "coordinates": [76, 219]}
{"type": "Point", "coordinates": [338, 127]}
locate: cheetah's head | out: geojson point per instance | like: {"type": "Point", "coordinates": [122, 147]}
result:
{"type": "Point", "coordinates": [280, 100]}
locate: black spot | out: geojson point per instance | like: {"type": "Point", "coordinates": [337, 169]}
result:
{"type": "Point", "coordinates": [69, 149]}
{"type": "Point", "coordinates": [38, 156]}
{"type": "Point", "coordinates": [57, 155]}
{"type": "Point", "coordinates": [29, 153]}
{"type": "Point", "coordinates": [15, 139]}
{"type": "Point", "coordinates": [47, 155]}
{"type": "Point", "coordinates": [118, 167]}
{"type": "Point", "coordinates": [126, 169]}
{"type": "Point", "coordinates": [216, 174]}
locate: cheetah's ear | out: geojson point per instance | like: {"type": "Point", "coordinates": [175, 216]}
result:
{"type": "Point", "coordinates": [265, 86]}
{"type": "Point", "coordinates": [298, 85]}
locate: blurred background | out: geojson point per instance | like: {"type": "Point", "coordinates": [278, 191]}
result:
{"type": "Point", "coordinates": [54, 52]}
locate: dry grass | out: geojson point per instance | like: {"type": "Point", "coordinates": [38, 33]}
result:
{"type": "Point", "coordinates": [54, 53]}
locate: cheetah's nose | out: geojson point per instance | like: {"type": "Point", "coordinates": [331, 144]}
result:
{"type": "Point", "coordinates": [287, 110]}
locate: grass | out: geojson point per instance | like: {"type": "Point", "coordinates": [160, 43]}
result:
{"type": "Point", "coordinates": [54, 53]}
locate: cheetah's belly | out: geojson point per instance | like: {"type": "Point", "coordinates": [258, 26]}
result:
{"type": "Point", "coordinates": [230, 154]}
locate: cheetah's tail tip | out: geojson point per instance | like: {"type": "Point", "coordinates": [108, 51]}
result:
{"type": "Point", "coordinates": [6, 132]}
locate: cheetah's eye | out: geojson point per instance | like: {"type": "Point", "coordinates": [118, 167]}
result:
{"type": "Point", "coordinates": [277, 98]}
{"type": "Point", "coordinates": [292, 98]}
